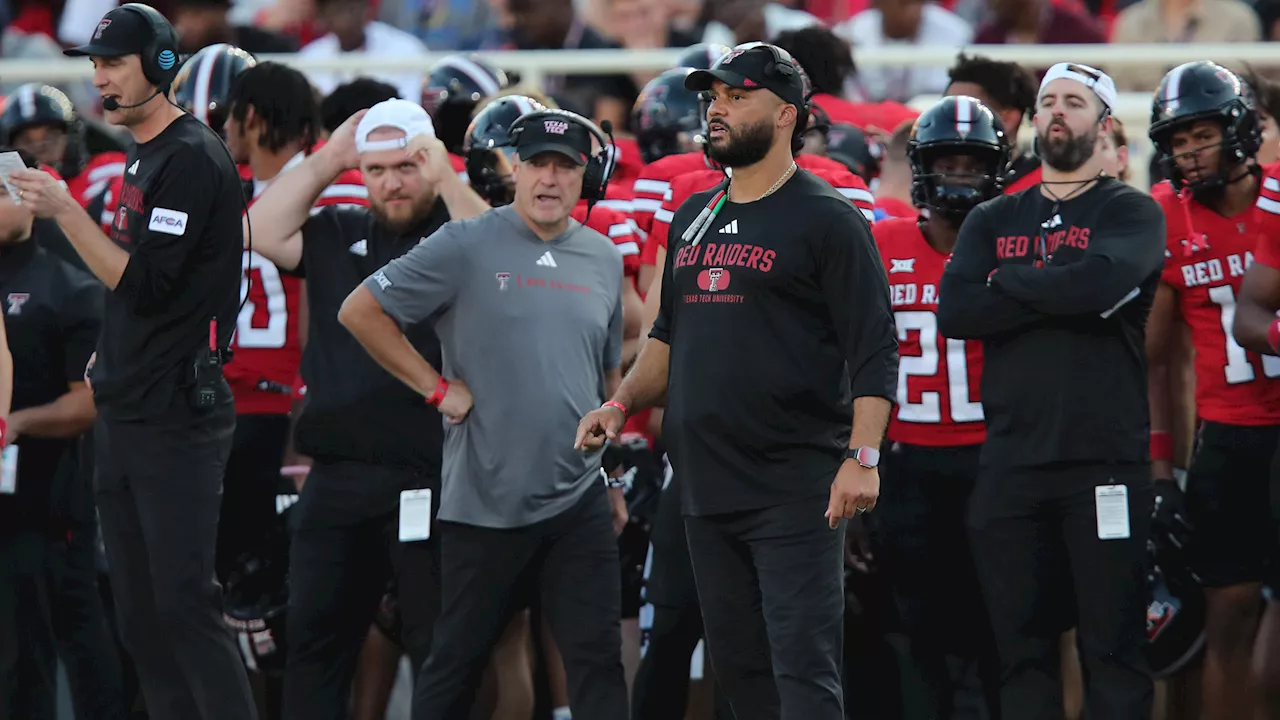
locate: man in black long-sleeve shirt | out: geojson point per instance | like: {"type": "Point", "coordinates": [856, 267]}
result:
{"type": "Point", "coordinates": [775, 326]}
{"type": "Point", "coordinates": [1057, 282]}
{"type": "Point", "coordinates": [166, 416]}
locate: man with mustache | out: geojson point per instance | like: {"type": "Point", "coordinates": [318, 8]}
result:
{"type": "Point", "coordinates": [375, 444]}
{"type": "Point", "coordinates": [528, 305]}
{"type": "Point", "coordinates": [1057, 281]}
{"type": "Point", "coordinates": [774, 331]}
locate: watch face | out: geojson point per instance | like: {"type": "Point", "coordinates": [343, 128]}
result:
{"type": "Point", "coordinates": [868, 457]}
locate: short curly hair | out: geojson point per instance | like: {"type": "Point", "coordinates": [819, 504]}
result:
{"type": "Point", "coordinates": [826, 57]}
{"type": "Point", "coordinates": [1009, 85]}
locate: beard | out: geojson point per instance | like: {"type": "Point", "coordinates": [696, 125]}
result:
{"type": "Point", "coordinates": [742, 146]}
{"type": "Point", "coordinates": [1067, 154]}
{"type": "Point", "coordinates": [403, 218]}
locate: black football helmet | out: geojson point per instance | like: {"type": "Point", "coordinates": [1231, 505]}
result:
{"type": "Point", "coordinates": [486, 138]}
{"type": "Point", "coordinates": [452, 90]}
{"type": "Point", "coordinates": [957, 125]}
{"type": "Point", "coordinates": [33, 105]}
{"type": "Point", "coordinates": [204, 82]}
{"type": "Point", "coordinates": [1175, 606]}
{"type": "Point", "coordinates": [1204, 90]}
{"type": "Point", "coordinates": [256, 598]}
{"type": "Point", "coordinates": [667, 118]}
{"type": "Point", "coordinates": [702, 56]}
{"type": "Point", "coordinates": [850, 146]}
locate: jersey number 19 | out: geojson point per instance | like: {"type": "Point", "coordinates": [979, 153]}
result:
{"type": "Point", "coordinates": [1238, 369]}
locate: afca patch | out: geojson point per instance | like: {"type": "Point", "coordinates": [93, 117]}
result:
{"type": "Point", "coordinates": [170, 222]}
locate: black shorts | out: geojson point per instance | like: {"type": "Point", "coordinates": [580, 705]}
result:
{"type": "Point", "coordinates": [923, 543]}
{"type": "Point", "coordinates": [1228, 501]}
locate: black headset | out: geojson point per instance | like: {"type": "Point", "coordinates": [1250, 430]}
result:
{"type": "Point", "coordinates": [160, 54]}
{"type": "Point", "coordinates": [784, 67]}
{"type": "Point", "coordinates": [601, 164]}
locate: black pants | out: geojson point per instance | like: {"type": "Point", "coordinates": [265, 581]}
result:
{"type": "Point", "coordinates": [771, 583]}
{"type": "Point", "coordinates": [1019, 521]}
{"type": "Point", "coordinates": [345, 548]}
{"type": "Point", "coordinates": [80, 627]}
{"type": "Point", "coordinates": [250, 486]}
{"type": "Point", "coordinates": [924, 553]}
{"type": "Point", "coordinates": [159, 487]}
{"type": "Point", "coordinates": [572, 560]}
{"type": "Point", "coordinates": [28, 660]}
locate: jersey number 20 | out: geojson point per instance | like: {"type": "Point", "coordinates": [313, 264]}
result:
{"type": "Point", "coordinates": [266, 279]}
{"type": "Point", "coordinates": [929, 409]}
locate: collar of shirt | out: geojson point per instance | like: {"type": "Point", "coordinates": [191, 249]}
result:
{"type": "Point", "coordinates": [15, 256]}
{"type": "Point", "coordinates": [508, 213]}
{"type": "Point", "coordinates": [433, 220]}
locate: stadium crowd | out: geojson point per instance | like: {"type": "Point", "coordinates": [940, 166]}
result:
{"type": "Point", "coordinates": [923, 637]}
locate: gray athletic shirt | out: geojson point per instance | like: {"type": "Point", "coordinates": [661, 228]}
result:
{"type": "Point", "coordinates": [531, 327]}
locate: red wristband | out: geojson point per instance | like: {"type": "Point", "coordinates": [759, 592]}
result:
{"type": "Point", "coordinates": [615, 404]}
{"type": "Point", "coordinates": [1161, 446]}
{"type": "Point", "coordinates": [1273, 335]}
{"type": "Point", "coordinates": [991, 275]}
{"type": "Point", "coordinates": [4, 432]}
{"type": "Point", "coordinates": [437, 397]}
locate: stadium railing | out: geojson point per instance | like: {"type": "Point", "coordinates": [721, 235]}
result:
{"type": "Point", "coordinates": [534, 65]}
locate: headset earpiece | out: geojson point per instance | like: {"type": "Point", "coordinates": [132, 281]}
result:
{"type": "Point", "coordinates": [160, 55]}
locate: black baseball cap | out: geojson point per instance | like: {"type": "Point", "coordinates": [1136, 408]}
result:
{"type": "Point", "coordinates": [120, 32]}
{"type": "Point", "coordinates": [555, 131]}
{"type": "Point", "coordinates": [744, 67]}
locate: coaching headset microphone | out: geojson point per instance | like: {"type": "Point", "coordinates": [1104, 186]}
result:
{"type": "Point", "coordinates": [111, 104]}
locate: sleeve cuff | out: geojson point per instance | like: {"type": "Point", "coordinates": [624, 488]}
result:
{"type": "Point", "coordinates": [130, 282]}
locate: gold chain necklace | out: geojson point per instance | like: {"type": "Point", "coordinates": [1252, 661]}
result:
{"type": "Point", "coordinates": [777, 184]}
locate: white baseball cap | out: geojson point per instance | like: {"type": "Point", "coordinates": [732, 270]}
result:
{"type": "Point", "coordinates": [403, 115]}
{"type": "Point", "coordinates": [1099, 82]}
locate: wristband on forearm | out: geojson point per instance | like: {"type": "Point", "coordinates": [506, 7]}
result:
{"type": "Point", "coordinates": [1273, 335]}
{"type": "Point", "coordinates": [617, 406]}
{"type": "Point", "coordinates": [1161, 445]}
{"type": "Point", "coordinates": [437, 397]}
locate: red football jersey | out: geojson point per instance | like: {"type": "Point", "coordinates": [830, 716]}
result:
{"type": "Point", "coordinates": [615, 226]}
{"type": "Point", "coordinates": [887, 115]}
{"type": "Point", "coordinates": [938, 378]}
{"type": "Point", "coordinates": [1206, 256]}
{"type": "Point", "coordinates": [96, 176]}
{"type": "Point", "coordinates": [629, 163]}
{"type": "Point", "coordinates": [1025, 181]}
{"type": "Point", "coordinates": [267, 350]}
{"type": "Point", "coordinates": [617, 196]}
{"type": "Point", "coordinates": [1268, 211]}
{"type": "Point", "coordinates": [683, 186]}
{"type": "Point", "coordinates": [654, 184]}
{"type": "Point", "coordinates": [895, 208]}
{"type": "Point", "coordinates": [839, 177]}
{"type": "Point", "coordinates": [459, 165]}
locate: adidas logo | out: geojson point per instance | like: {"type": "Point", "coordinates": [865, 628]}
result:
{"type": "Point", "coordinates": [546, 260]}
{"type": "Point", "coordinates": [133, 169]}
{"type": "Point", "coordinates": [730, 229]}
{"type": "Point", "coordinates": [360, 248]}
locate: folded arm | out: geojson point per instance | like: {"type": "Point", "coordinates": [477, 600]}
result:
{"type": "Point", "coordinates": [968, 308]}
{"type": "Point", "coordinates": [1122, 254]}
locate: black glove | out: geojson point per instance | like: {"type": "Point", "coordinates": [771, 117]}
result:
{"type": "Point", "coordinates": [1169, 521]}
